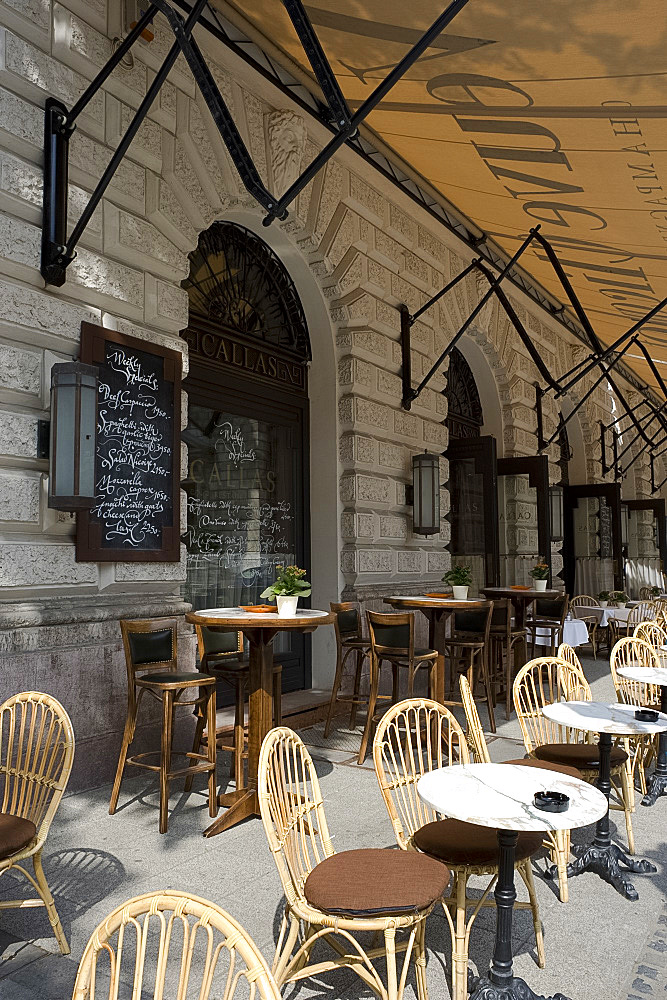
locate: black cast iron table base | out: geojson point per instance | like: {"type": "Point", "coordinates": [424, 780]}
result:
{"type": "Point", "coordinates": [606, 862]}
{"type": "Point", "coordinates": [483, 989]}
{"type": "Point", "coordinates": [501, 983]}
{"type": "Point", "coordinates": [658, 783]}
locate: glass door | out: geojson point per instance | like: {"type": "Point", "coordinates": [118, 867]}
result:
{"type": "Point", "coordinates": [473, 513]}
{"type": "Point", "coordinates": [644, 544]}
{"type": "Point", "coordinates": [523, 517]}
{"type": "Point", "coordinates": [245, 504]}
{"type": "Point", "coordinates": [592, 554]}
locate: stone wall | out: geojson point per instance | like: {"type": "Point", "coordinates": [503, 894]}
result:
{"type": "Point", "coordinates": [368, 247]}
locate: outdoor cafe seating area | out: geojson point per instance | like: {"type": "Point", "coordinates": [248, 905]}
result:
{"type": "Point", "coordinates": [456, 815]}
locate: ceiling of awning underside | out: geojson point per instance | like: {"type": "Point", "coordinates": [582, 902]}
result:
{"type": "Point", "coordinates": [526, 112]}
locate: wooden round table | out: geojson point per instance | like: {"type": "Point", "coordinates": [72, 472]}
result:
{"type": "Point", "coordinates": [260, 631]}
{"type": "Point", "coordinates": [437, 611]}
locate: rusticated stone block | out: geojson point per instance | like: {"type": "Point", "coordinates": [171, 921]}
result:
{"type": "Point", "coordinates": [18, 435]}
{"type": "Point", "coordinates": [20, 244]}
{"type": "Point", "coordinates": [19, 497]}
{"type": "Point", "coordinates": [438, 562]}
{"type": "Point", "coordinates": [138, 571]}
{"type": "Point", "coordinates": [39, 565]}
{"type": "Point", "coordinates": [406, 424]}
{"type": "Point", "coordinates": [20, 370]}
{"type": "Point", "coordinates": [410, 561]}
{"type": "Point", "coordinates": [369, 412]}
{"type": "Point", "coordinates": [92, 276]}
{"type": "Point", "coordinates": [375, 561]}
{"type": "Point", "coordinates": [392, 526]}
{"type": "Point", "coordinates": [43, 311]}
{"type": "Point", "coordinates": [371, 488]}
{"type": "Point", "coordinates": [435, 434]}
{"type": "Point", "coordinates": [393, 456]}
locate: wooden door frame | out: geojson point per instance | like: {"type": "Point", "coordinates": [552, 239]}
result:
{"type": "Point", "coordinates": [611, 493]}
{"type": "Point", "coordinates": [483, 450]}
{"type": "Point", "coordinates": [537, 469]}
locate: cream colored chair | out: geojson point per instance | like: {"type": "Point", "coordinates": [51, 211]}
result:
{"type": "Point", "coordinates": [175, 945]}
{"type": "Point", "coordinates": [591, 620]}
{"type": "Point", "coordinates": [556, 842]}
{"type": "Point", "coordinates": [413, 738]}
{"type": "Point", "coordinates": [36, 754]}
{"type": "Point", "coordinates": [336, 897]}
{"type": "Point", "coordinates": [548, 679]}
{"type": "Point", "coordinates": [632, 652]}
{"type": "Point", "coordinates": [652, 633]}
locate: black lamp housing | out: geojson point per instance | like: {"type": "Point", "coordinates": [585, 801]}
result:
{"type": "Point", "coordinates": [74, 389]}
{"type": "Point", "coordinates": [556, 514]}
{"type": "Point", "coordinates": [426, 494]}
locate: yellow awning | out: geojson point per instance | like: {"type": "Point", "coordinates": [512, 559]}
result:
{"type": "Point", "coordinates": [526, 112]}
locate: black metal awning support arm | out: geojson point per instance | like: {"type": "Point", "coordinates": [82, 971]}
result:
{"type": "Point", "coordinates": [654, 368]}
{"type": "Point", "coordinates": [570, 292]}
{"type": "Point", "coordinates": [630, 443]}
{"type": "Point", "coordinates": [641, 452]}
{"type": "Point", "coordinates": [280, 209]}
{"type": "Point", "coordinates": [411, 394]}
{"type": "Point", "coordinates": [443, 291]}
{"type": "Point", "coordinates": [629, 410]}
{"type": "Point", "coordinates": [321, 67]}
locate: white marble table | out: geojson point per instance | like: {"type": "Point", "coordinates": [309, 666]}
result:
{"type": "Point", "coordinates": [608, 720]}
{"type": "Point", "coordinates": [654, 675]}
{"type": "Point", "coordinates": [501, 796]}
{"type": "Point", "coordinates": [602, 614]}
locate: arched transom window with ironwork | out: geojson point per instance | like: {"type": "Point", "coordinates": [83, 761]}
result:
{"type": "Point", "coordinates": [237, 282]}
{"type": "Point", "coordinates": [464, 414]}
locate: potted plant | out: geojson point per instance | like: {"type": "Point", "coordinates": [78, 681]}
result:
{"type": "Point", "coordinates": [540, 574]}
{"type": "Point", "coordinates": [459, 579]}
{"type": "Point", "coordinates": [617, 597]}
{"type": "Point", "coordinates": [290, 585]}
{"type": "Point", "coordinates": [603, 598]}
{"type": "Point", "coordinates": [655, 591]}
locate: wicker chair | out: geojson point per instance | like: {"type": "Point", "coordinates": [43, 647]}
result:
{"type": "Point", "coordinates": [36, 754]}
{"type": "Point", "coordinates": [413, 738]}
{"type": "Point", "coordinates": [546, 680]}
{"type": "Point", "coordinates": [556, 842]}
{"type": "Point", "coordinates": [645, 612]}
{"type": "Point", "coordinates": [199, 951]}
{"type": "Point", "coordinates": [634, 652]}
{"type": "Point", "coordinates": [652, 633]}
{"type": "Point", "coordinates": [338, 896]}
{"type": "Point", "coordinates": [592, 620]}
{"type": "Point", "coordinates": [646, 594]}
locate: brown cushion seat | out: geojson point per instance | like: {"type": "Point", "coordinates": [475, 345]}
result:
{"type": "Point", "coordinates": [580, 755]}
{"type": "Point", "coordinates": [15, 833]}
{"type": "Point", "coordinates": [458, 843]}
{"type": "Point", "coordinates": [376, 882]}
{"type": "Point", "coordinates": [571, 772]}
{"type": "Point", "coordinates": [176, 677]}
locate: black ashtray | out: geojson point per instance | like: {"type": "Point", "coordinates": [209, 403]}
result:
{"type": "Point", "coordinates": [646, 715]}
{"type": "Point", "coordinates": [551, 802]}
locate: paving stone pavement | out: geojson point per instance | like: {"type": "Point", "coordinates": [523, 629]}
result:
{"type": "Point", "coordinates": [599, 946]}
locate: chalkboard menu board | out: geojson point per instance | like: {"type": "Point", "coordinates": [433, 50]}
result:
{"type": "Point", "coordinates": [136, 516]}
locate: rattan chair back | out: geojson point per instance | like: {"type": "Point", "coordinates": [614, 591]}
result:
{"type": "Point", "coordinates": [36, 755]}
{"type": "Point", "coordinates": [584, 601]}
{"type": "Point", "coordinates": [567, 653]}
{"type": "Point", "coordinates": [652, 633]}
{"type": "Point", "coordinates": [646, 611]}
{"type": "Point", "coordinates": [475, 739]}
{"type": "Point", "coordinates": [414, 737]}
{"type": "Point", "coordinates": [631, 652]}
{"type": "Point", "coordinates": [541, 682]}
{"type": "Point", "coordinates": [172, 944]}
{"type": "Point", "coordinates": [292, 810]}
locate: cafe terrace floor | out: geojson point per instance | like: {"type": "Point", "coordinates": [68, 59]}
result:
{"type": "Point", "coordinates": [599, 945]}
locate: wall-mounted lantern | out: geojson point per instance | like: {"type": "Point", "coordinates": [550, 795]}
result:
{"type": "Point", "coordinates": [74, 388]}
{"type": "Point", "coordinates": [426, 494]}
{"type": "Point", "coordinates": [556, 513]}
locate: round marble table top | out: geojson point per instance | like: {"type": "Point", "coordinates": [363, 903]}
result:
{"type": "Point", "coordinates": [235, 617]}
{"type": "Point", "coordinates": [501, 796]}
{"type": "Point", "coordinates": [421, 601]}
{"type": "Point", "coordinates": [599, 717]}
{"type": "Point", "coordinates": [645, 675]}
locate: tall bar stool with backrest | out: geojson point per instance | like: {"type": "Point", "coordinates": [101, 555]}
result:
{"type": "Point", "coordinates": [542, 682]}
{"type": "Point", "coordinates": [221, 655]}
{"type": "Point", "coordinates": [349, 639]}
{"type": "Point", "coordinates": [557, 842]}
{"type": "Point", "coordinates": [470, 644]}
{"type": "Point", "coordinates": [504, 637]}
{"type": "Point", "coordinates": [414, 738]}
{"type": "Point", "coordinates": [151, 660]}
{"type": "Point", "coordinates": [393, 639]}
{"type": "Point", "coordinates": [548, 614]}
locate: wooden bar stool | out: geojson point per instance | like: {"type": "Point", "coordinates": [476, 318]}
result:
{"type": "Point", "coordinates": [349, 639]}
{"type": "Point", "coordinates": [221, 655]}
{"type": "Point", "coordinates": [151, 660]}
{"type": "Point", "coordinates": [468, 648]}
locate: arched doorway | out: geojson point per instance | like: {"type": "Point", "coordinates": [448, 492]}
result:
{"type": "Point", "coordinates": [247, 433]}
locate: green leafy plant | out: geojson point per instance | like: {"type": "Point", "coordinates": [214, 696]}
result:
{"type": "Point", "coordinates": [618, 597]}
{"type": "Point", "coordinates": [290, 582]}
{"type": "Point", "coordinates": [540, 570]}
{"type": "Point", "coordinates": [603, 595]}
{"type": "Point", "coordinates": [655, 591]}
{"type": "Point", "coordinates": [458, 576]}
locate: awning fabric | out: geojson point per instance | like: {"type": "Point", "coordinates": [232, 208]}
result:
{"type": "Point", "coordinates": [526, 112]}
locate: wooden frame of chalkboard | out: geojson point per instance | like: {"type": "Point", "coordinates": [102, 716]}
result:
{"type": "Point", "coordinates": [145, 382]}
